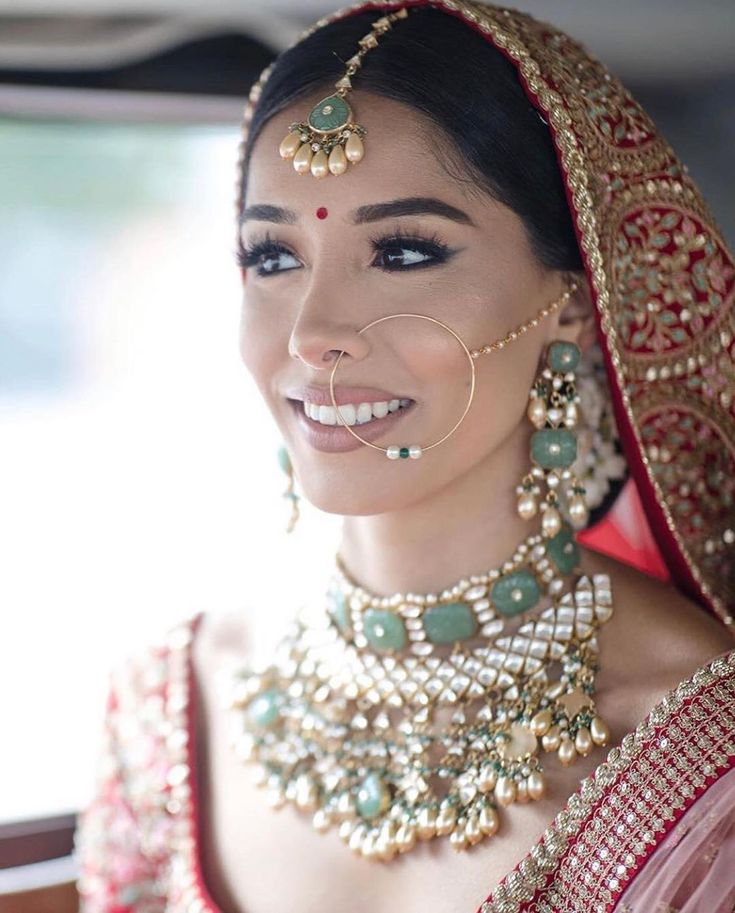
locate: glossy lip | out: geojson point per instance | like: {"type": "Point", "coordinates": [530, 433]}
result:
{"type": "Point", "coordinates": [336, 438]}
{"type": "Point", "coordinates": [319, 394]}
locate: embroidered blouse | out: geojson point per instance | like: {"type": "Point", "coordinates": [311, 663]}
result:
{"type": "Point", "coordinates": [653, 828]}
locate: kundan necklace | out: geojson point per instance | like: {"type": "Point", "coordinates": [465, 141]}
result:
{"type": "Point", "coordinates": [412, 716]}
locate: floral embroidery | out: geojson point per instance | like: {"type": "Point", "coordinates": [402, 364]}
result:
{"type": "Point", "coordinates": [123, 838]}
{"type": "Point", "coordinates": [604, 102]}
{"type": "Point", "coordinates": [672, 276]}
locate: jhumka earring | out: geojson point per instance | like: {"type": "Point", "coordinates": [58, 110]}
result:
{"type": "Point", "coordinates": [284, 461]}
{"type": "Point", "coordinates": [330, 139]}
{"type": "Point", "coordinates": [552, 410]}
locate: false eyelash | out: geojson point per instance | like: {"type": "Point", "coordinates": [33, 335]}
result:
{"type": "Point", "coordinates": [247, 257]}
{"type": "Point", "coordinates": [403, 237]}
{"type": "Point", "coordinates": [430, 244]}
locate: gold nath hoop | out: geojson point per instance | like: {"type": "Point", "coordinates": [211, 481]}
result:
{"type": "Point", "coordinates": [414, 451]}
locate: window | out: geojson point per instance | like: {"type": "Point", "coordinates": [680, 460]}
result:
{"type": "Point", "coordinates": [139, 481]}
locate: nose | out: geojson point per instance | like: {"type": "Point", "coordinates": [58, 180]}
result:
{"type": "Point", "coordinates": [320, 333]}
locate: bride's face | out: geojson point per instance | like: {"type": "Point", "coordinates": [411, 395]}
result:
{"type": "Point", "coordinates": [333, 254]}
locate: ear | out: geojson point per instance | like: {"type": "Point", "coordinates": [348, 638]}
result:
{"type": "Point", "coordinates": [576, 322]}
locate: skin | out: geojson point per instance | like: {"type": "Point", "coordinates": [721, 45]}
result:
{"type": "Point", "coordinates": [456, 516]}
{"type": "Point", "coordinates": [458, 513]}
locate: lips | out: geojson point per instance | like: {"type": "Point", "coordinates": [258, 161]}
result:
{"type": "Point", "coordinates": [336, 438]}
{"type": "Point", "coordinates": [319, 394]}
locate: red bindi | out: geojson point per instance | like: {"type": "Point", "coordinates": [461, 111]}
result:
{"type": "Point", "coordinates": [322, 213]}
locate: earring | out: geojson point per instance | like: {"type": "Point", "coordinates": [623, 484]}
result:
{"type": "Point", "coordinates": [552, 410]}
{"type": "Point", "coordinates": [284, 461]}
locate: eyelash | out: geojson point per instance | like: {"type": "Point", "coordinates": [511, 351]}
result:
{"type": "Point", "coordinates": [432, 245]}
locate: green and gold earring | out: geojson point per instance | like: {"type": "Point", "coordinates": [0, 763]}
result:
{"type": "Point", "coordinates": [553, 411]}
{"type": "Point", "coordinates": [284, 461]}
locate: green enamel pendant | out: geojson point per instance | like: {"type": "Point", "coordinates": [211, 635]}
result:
{"type": "Point", "coordinates": [553, 448]}
{"type": "Point", "coordinates": [330, 114]}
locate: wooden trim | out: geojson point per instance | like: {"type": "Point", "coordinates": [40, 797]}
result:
{"type": "Point", "coordinates": [36, 840]}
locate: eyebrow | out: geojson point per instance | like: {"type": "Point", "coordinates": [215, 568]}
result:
{"type": "Point", "coordinates": [263, 212]}
{"type": "Point", "coordinates": [372, 212]}
{"type": "Point", "coordinates": [409, 206]}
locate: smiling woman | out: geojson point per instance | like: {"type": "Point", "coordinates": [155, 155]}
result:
{"type": "Point", "coordinates": [432, 729]}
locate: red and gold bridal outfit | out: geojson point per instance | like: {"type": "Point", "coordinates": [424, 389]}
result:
{"type": "Point", "coordinates": [654, 827]}
{"type": "Point", "coordinates": [662, 802]}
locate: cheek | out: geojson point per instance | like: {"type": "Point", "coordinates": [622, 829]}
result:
{"type": "Point", "coordinates": [443, 373]}
{"type": "Point", "coordinates": [504, 380]}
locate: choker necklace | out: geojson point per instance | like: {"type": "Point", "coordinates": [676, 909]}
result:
{"type": "Point", "coordinates": [404, 718]}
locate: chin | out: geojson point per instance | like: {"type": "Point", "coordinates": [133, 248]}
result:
{"type": "Point", "coordinates": [365, 495]}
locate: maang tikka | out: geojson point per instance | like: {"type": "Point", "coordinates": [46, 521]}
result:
{"type": "Point", "coordinates": [330, 139]}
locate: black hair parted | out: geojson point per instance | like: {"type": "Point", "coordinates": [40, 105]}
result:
{"type": "Point", "coordinates": [441, 67]}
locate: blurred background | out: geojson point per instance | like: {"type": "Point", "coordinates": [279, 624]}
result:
{"type": "Point", "coordinates": [138, 472]}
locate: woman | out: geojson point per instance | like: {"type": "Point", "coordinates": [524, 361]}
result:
{"type": "Point", "coordinates": [429, 733]}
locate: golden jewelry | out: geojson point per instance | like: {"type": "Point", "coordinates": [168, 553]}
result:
{"type": "Point", "coordinates": [414, 451]}
{"type": "Point", "coordinates": [330, 139]}
{"type": "Point", "coordinates": [392, 748]}
{"type": "Point", "coordinates": [553, 411]}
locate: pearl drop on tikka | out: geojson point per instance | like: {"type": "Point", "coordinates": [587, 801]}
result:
{"type": "Point", "coordinates": [394, 452]}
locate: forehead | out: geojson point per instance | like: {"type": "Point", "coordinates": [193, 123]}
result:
{"type": "Point", "coordinates": [402, 149]}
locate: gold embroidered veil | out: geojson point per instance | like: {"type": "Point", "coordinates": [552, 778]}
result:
{"type": "Point", "coordinates": [662, 281]}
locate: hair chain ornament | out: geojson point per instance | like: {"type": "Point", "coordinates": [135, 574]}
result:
{"type": "Point", "coordinates": [414, 451]}
{"type": "Point", "coordinates": [330, 139]}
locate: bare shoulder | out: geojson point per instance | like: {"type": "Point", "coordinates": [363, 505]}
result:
{"type": "Point", "coordinates": [241, 635]}
{"type": "Point", "coordinates": [658, 634]}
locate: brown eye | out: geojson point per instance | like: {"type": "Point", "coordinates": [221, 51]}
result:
{"type": "Point", "coordinates": [396, 253]}
{"type": "Point", "coordinates": [268, 257]}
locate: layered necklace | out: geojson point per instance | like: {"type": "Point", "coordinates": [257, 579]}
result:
{"type": "Point", "coordinates": [415, 716]}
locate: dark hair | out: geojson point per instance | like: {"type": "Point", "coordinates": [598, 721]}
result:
{"type": "Point", "coordinates": [443, 68]}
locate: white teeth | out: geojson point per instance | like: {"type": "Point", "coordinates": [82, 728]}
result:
{"type": "Point", "coordinates": [347, 410]}
{"type": "Point", "coordinates": [353, 414]}
{"type": "Point", "coordinates": [327, 415]}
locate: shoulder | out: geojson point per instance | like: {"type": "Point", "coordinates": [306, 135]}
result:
{"type": "Point", "coordinates": [657, 637]}
{"type": "Point", "coordinates": [142, 674]}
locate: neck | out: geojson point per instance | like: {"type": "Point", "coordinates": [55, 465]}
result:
{"type": "Point", "coordinates": [465, 528]}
